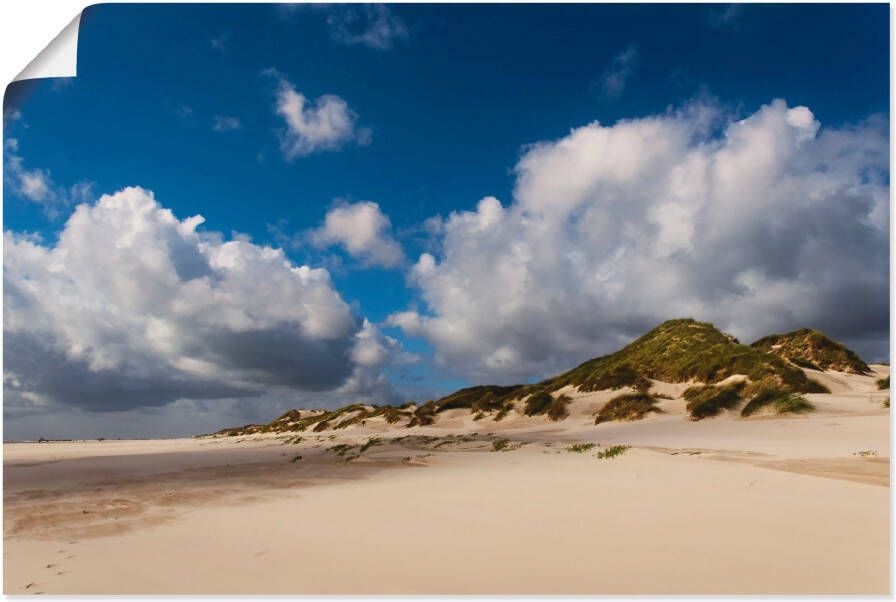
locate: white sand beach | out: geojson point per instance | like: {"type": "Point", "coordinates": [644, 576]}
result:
{"type": "Point", "coordinates": [765, 505]}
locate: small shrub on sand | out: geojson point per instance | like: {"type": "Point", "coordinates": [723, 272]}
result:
{"type": "Point", "coordinates": [537, 403]}
{"type": "Point", "coordinates": [543, 402]}
{"type": "Point", "coordinates": [296, 459]}
{"type": "Point", "coordinates": [503, 412]}
{"type": "Point", "coordinates": [883, 384]}
{"type": "Point", "coordinates": [629, 406]}
{"type": "Point", "coordinates": [559, 409]}
{"type": "Point", "coordinates": [580, 448]}
{"type": "Point", "coordinates": [503, 445]}
{"type": "Point", "coordinates": [710, 400]}
{"type": "Point", "coordinates": [612, 452]}
{"type": "Point", "coordinates": [341, 449]}
{"type": "Point", "coordinates": [783, 402]}
{"type": "Point", "coordinates": [424, 415]}
{"type": "Point", "coordinates": [370, 443]}
{"type": "Point", "coordinates": [867, 453]}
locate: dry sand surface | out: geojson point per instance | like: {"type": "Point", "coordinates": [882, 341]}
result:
{"type": "Point", "coordinates": [724, 505]}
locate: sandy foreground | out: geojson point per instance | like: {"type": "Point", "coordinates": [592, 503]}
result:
{"type": "Point", "coordinates": [720, 506]}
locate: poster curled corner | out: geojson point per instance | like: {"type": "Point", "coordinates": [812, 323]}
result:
{"type": "Point", "coordinates": [59, 58]}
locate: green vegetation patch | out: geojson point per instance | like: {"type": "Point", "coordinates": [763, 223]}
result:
{"type": "Point", "coordinates": [424, 415]}
{"type": "Point", "coordinates": [612, 452]}
{"type": "Point", "coordinates": [503, 412]}
{"type": "Point", "coordinates": [370, 443]}
{"type": "Point", "coordinates": [812, 349]}
{"type": "Point", "coordinates": [710, 400]}
{"type": "Point", "coordinates": [543, 403]}
{"type": "Point", "coordinates": [485, 398]}
{"type": "Point", "coordinates": [503, 445]}
{"type": "Point", "coordinates": [616, 377]}
{"type": "Point", "coordinates": [804, 363]}
{"type": "Point", "coordinates": [341, 449]}
{"type": "Point", "coordinates": [783, 402]}
{"type": "Point", "coordinates": [580, 448]}
{"type": "Point", "coordinates": [681, 351]}
{"type": "Point", "coordinates": [630, 406]}
{"type": "Point", "coordinates": [883, 384]}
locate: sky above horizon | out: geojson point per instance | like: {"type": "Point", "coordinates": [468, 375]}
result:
{"type": "Point", "coordinates": [234, 210]}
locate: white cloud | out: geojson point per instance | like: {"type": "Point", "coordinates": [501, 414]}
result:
{"type": "Point", "coordinates": [37, 186]}
{"type": "Point", "coordinates": [759, 225]}
{"type": "Point", "coordinates": [371, 25]}
{"type": "Point", "coordinates": [133, 307]}
{"type": "Point", "coordinates": [621, 69]}
{"type": "Point", "coordinates": [363, 231]}
{"type": "Point", "coordinates": [223, 123]}
{"type": "Point", "coordinates": [326, 123]}
{"type": "Point", "coordinates": [219, 42]}
{"type": "Point", "coordinates": [726, 15]}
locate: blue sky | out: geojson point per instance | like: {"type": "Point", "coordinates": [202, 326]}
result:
{"type": "Point", "coordinates": [446, 102]}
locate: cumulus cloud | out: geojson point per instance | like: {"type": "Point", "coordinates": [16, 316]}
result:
{"type": "Point", "coordinates": [324, 124]}
{"type": "Point", "coordinates": [758, 225]}
{"type": "Point", "coordinates": [37, 186]}
{"type": "Point", "coordinates": [363, 231]}
{"type": "Point", "coordinates": [224, 123]}
{"type": "Point", "coordinates": [133, 307]}
{"type": "Point", "coordinates": [726, 15]}
{"type": "Point", "coordinates": [371, 25]}
{"type": "Point", "coordinates": [621, 69]}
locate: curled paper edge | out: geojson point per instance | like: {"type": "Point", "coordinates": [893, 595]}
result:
{"type": "Point", "coordinates": [59, 58]}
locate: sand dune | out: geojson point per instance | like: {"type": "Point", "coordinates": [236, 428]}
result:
{"type": "Point", "coordinates": [725, 505]}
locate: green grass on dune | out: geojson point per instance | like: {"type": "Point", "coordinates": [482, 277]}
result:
{"type": "Point", "coordinates": [580, 448]}
{"type": "Point", "coordinates": [709, 400]}
{"type": "Point", "coordinates": [677, 351]}
{"type": "Point", "coordinates": [812, 349]}
{"type": "Point", "coordinates": [629, 406]}
{"type": "Point", "coordinates": [783, 402]}
{"type": "Point", "coordinates": [505, 445]}
{"type": "Point", "coordinates": [543, 403]}
{"type": "Point", "coordinates": [486, 398]}
{"type": "Point", "coordinates": [681, 351]}
{"type": "Point", "coordinates": [883, 384]}
{"type": "Point", "coordinates": [612, 452]}
{"type": "Point", "coordinates": [804, 363]}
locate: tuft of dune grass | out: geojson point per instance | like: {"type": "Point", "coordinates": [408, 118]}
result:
{"type": "Point", "coordinates": [581, 448]}
{"type": "Point", "coordinates": [783, 402]}
{"type": "Point", "coordinates": [543, 403]}
{"type": "Point", "coordinates": [504, 445]}
{"type": "Point", "coordinates": [708, 401]}
{"type": "Point", "coordinates": [629, 406]}
{"type": "Point", "coordinates": [612, 452]}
